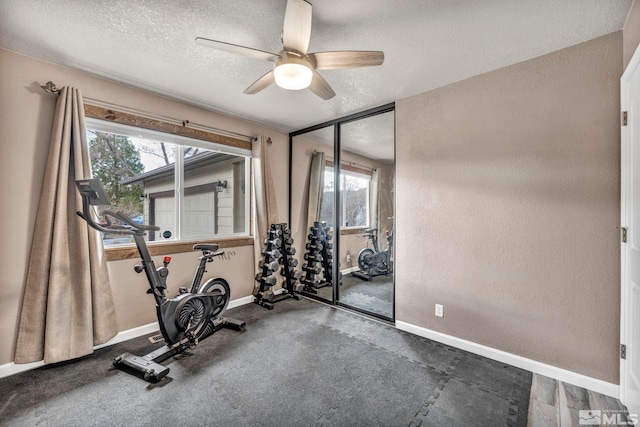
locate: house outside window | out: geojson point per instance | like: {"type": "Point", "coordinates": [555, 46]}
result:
{"type": "Point", "coordinates": [190, 189]}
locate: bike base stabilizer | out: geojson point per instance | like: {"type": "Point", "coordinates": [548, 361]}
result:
{"type": "Point", "coordinates": [148, 366]}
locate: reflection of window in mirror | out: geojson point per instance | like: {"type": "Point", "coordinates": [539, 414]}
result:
{"type": "Point", "coordinates": [354, 194]}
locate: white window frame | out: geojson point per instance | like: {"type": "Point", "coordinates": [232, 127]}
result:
{"type": "Point", "coordinates": [343, 205]}
{"type": "Point", "coordinates": [180, 142]}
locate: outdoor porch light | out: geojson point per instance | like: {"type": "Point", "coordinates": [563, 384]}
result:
{"type": "Point", "coordinates": [292, 72]}
{"type": "Point", "coordinates": [220, 185]}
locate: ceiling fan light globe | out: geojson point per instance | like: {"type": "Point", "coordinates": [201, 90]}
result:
{"type": "Point", "coordinates": [293, 76]}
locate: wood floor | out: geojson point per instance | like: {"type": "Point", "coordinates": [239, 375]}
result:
{"type": "Point", "coordinates": [554, 403]}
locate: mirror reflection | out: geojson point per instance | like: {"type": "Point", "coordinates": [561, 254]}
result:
{"type": "Point", "coordinates": [312, 210]}
{"type": "Point", "coordinates": [342, 212]}
{"type": "Point", "coordinates": [367, 172]}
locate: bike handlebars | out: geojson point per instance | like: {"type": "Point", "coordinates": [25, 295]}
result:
{"type": "Point", "coordinates": [133, 230]}
{"type": "Point", "coordinates": [110, 228]}
{"type": "Point", "coordinates": [122, 217]}
{"type": "Point", "coordinates": [93, 194]}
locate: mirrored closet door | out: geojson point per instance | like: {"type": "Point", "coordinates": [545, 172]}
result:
{"type": "Point", "coordinates": [367, 172]}
{"type": "Point", "coordinates": [311, 221]}
{"type": "Point", "coordinates": [342, 210]}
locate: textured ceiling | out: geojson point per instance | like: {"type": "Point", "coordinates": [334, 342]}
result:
{"type": "Point", "coordinates": [427, 44]}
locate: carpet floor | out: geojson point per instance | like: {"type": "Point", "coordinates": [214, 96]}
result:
{"type": "Point", "coordinates": [301, 364]}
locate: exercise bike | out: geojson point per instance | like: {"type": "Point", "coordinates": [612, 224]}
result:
{"type": "Point", "coordinates": [375, 262]}
{"type": "Point", "coordinates": [194, 314]}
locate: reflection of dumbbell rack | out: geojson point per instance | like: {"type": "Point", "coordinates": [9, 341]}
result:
{"type": "Point", "coordinates": [318, 259]}
{"type": "Point", "coordinates": [277, 251]}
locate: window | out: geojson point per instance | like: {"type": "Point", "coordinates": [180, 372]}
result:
{"type": "Point", "coordinates": [354, 194]}
{"type": "Point", "coordinates": [189, 188]}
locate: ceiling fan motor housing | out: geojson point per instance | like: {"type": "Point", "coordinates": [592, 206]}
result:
{"type": "Point", "coordinates": [293, 70]}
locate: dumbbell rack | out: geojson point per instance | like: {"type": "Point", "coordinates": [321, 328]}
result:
{"type": "Point", "coordinates": [318, 258]}
{"type": "Point", "coordinates": [278, 251]}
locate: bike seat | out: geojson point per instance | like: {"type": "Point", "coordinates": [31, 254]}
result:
{"type": "Point", "coordinates": [370, 230]}
{"type": "Point", "coordinates": [206, 246]}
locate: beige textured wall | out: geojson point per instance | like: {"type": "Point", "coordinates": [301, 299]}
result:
{"type": "Point", "coordinates": [26, 115]}
{"type": "Point", "coordinates": [507, 203]}
{"type": "Point", "coordinates": [631, 33]}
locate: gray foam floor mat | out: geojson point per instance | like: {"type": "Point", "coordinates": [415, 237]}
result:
{"type": "Point", "coordinates": [301, 364]}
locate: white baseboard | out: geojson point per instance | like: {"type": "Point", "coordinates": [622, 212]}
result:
{"type": "Point", "coordinates": [550, 371]}
{"type": "Point", "coordinates": [240, 301]}
{"type": "Point", "coordinates": [12, 368]}
{"type": "Point", "coordinates": [349, 270]}
{"type": "Point", "coordinates": [130, 334]}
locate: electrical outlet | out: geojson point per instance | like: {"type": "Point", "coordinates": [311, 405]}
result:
{"type": "Point", "coordinates": [348, 257]}
{"type": "Point", "coordinates": [439, 310]}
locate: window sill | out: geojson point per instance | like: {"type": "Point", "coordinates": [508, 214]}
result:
{"type": "Point", "coordinates": [168, 248]}
{"type": "Point", "coordinates": [352, 230]}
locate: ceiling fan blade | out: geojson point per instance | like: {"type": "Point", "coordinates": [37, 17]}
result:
{"type": "Point", "coordinates": [320, 87]}
{"type": "Point", "coordinates": [262, 83]}
{"type": "Point", "coordinates": [296, 31]}
{"type": "Point", "coordinates": [346, 59]}
{"type": "Point", "coordinates": [237, 49]}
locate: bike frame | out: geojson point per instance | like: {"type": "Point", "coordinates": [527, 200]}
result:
{"type": "Point", "coordinates": [372, 235]}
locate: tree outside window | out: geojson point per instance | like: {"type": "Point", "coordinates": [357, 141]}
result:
{"type": "Point", "coordinates": [188, 191]}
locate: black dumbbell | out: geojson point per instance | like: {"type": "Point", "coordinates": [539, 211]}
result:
{"type": "Point", "coordinates": [269, 281]}
{"type": "Point", "coordinates": [273, 242]}
{"type": "Point", "coordinates": [313, 257]}
{"type": "Point", "coordinates": [275, 232]}
{"type": "Point", "coordinates": [267, 295]}
{"type": "Point", "coordinates": [273, 253]}
{"type": "Point", "coordinates": [291, 251]}
{"type": "Point", "coordinates": [293, 262]}
{"type": "Point", "coordinates": [313, 283]}
{"type": "Point", "coordinates": [270, 265]}
{"type": "Point", "coordinates": [313, 246]}
{"type": "Point", "coordinates": [283, 271]}
{"type": "Point", "coordinates": [312, 268]}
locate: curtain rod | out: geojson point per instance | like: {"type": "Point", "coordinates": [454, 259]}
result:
{"type": "Point", "coordinates": [50, 87]}
{"type": "Point", "coordinates": [343, 162]}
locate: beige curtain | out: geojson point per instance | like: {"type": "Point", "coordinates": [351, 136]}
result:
{"type": "Point", "coordinates": [67, 306]}
{"type": "Point", "coordinates": [266, 210]}
{"type": "Point", "coordinates": [316, 186]}
{"type": "Point", "coordinates": [374, 189]}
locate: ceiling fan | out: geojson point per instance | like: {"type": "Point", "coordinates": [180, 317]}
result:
{"type": "Point", "coordinates": [293, 67]}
